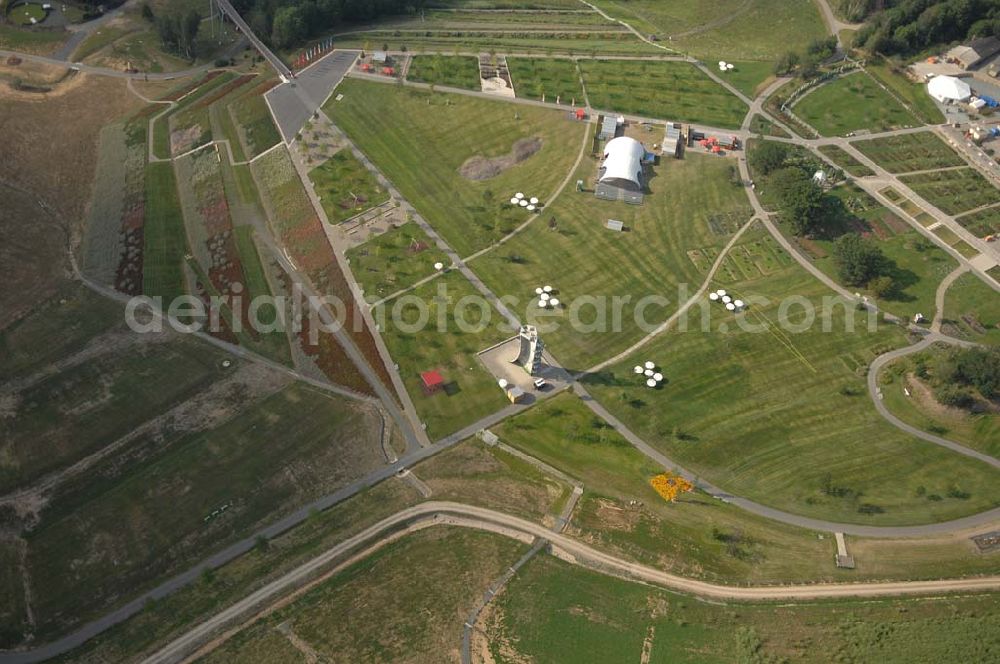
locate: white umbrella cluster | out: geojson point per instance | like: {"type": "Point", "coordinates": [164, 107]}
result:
{"type": "Point", "coordinates": [726, 66]}
{"type": "Point", "coordinates": [727, 300]}
{"type": "Point", "coordinates": [528, 203]}
{"type": "Point", "coordinates": [545, 299]}
{"type": "Point", "coordinates": [649, 372]}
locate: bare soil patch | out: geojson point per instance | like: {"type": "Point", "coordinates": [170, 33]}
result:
{"type": "Point", "coordinates": [479, 167]}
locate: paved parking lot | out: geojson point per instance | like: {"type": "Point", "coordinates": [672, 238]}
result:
{"type": "Point", "coordinates": [294, 101]}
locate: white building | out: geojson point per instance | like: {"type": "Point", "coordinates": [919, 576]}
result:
{"type": "Point", "coordinates": [949, 89]}
{"type": "Point", "coordinates": [622, 166]}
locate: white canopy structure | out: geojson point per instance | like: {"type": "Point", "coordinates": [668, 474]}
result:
{"type": "Point", "coordinates": [622, 165]}
{"type": "Point", "coordinates": [948, 88]}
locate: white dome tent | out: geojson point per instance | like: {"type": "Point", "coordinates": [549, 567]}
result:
{"type": "Point", "coordinates": [948, 89]}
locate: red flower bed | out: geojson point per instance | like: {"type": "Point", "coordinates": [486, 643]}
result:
{"type": "Point", "coordinates": [177, 94]}
{"type": "Point", "coordinates": [224, 90]}
{"type": "Point", "coordinates": [332, 360]}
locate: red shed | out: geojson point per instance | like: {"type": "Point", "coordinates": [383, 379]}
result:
{"type": "Point", "coordinates": [432, 381]}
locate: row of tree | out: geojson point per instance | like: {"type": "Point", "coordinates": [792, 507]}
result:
{"type": "Point", "coordinates": [911, 26]}
{"type": "Point", "coordinates": [805, 64]}
{"type": "Point", "coordinates": [801, 203]}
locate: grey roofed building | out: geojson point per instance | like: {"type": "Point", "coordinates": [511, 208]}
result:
{"type": "Point", "coordinates": [971, 54]}
{"type": "Point", "coordinates": [671, 140]}
{"type": "Point", "coordinates": [609, 128]}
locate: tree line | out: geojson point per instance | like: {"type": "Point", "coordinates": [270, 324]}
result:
{"type": "Point", "coordinates": [909, 26]}
{"type": "Point", "coordinates": [286, 23]}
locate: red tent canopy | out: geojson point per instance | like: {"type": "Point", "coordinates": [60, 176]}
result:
{"type": "Point", "coordinates": [580, 113]}
{"type": "Point", "coordinates": [432, 380]}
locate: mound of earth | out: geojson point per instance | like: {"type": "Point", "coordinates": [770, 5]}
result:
{"type": "Point", "coordinates": [484, 168]}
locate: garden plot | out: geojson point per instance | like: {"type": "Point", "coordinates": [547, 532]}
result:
{"type": "Point", "coordinates": [981, 223]}
{"type": "Point", "coordinates": [546, 78]}
{"type": "Point", "coordinates": [846, 161]}
{"type": "Point", "coordinates": [394, 260]}
{"type": "Point", "coordinates": [454, 71]}
{"type": "Point", "coordinates": [294, 221]}
{"type": "Point", "coordinates": [954, 191]}
{"type": "Point", "coordinates": [919, 151]}
{"type": "Point", "coordinates": [668, 90]}
{"type": "Point", "coordinates": [113, 245]}
{"type": "Point", "coordinates": [255, 127]}
{"type": "Point", "coordinates": [345, 187]}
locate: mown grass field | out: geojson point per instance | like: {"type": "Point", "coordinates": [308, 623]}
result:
{"type": "Point", "coordinates": [973, 309]}
{"type": "Point", "coordinates": [919, 151]}
{"type": "Point", "coordinates": [379, 609]}
{"type": "Point", "coordinates": [257, 130]}
{"type": "Point", "coordinates": [40, 42]}
{"type": "Point", "coordinates": [844, 160]}
{"type": "Point", "coordinates": [980, 431]}
{"type": "Point", "coordinates": [610, 42]}
{"type": "Point", "coordinates": [761, 125]}
{"type": "Point", "coordinates": [783, 417]}
{"type": "Point", "coordinates": [749, 76]}
{"type": "Point", "coordinates": [692, 204]}
{"type": "Point", "coordinates": [553, 78]}
{"type": "Point", "coordinates": [164, 243]}
{"type": "Point", "coordinates": [955, 191]}
{"type": "Point", "coordinates": [470, 391]}
{"type": "Point", "coordinates": [420, 140]}
{"type": "Point", "coordinates": [394, 260]}
{"type": "Point", "coordinates": [730, 29]}
{"type": "Point", "coordinates": [669, 90]}
{"type": "Point", "coordinates": [555, 612]}
{"type": "Point", "coordinates": [136, 521]}
{"type": "Point", "coordinates": [697, 536]}
{"type": "Point", "coordinates": [851, 103]}
{"type": "Point", "coordinates": [914, 94]}
{"type": "Point", "coordinates": [454, 71]}
{"type": "Point", "coordinates": [345, 187]}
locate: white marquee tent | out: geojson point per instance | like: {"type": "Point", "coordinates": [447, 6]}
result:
{"type": "Point", "coordinates": [948, 88]}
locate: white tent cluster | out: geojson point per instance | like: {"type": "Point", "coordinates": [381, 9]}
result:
{"type": "Point", "coordinates": [723, 298]}
{"type": "Point", "coordinates": [726, 66]}
{"type": "Point", "coordinates": [545, 299]}
{"type": "Point", "coordinates": [649, 372]}
{"type": "Point", "coordinates": [529, 204]}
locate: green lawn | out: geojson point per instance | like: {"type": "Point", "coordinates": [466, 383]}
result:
{"type": "Point", "coordinates": [274, 344]}
{"type": "Point", "coordinates": [980, 431]}
{"type": "Point", "coordinates": [749, 76]}
{"type": "Point", "coordinates": [914, 94]}
{"type": "Point", "coordinates": [611, 42]}
{"type": "Point", "coordinates": [909, 152]}
{"type": "Point", "coordinates": [30, 41]}
{"type": "Point", "coordinates": [420, 140]}
{"type": "Point", "coordinates": [851, 103]}
{"type": "Point", "coordinates": [783, 417]}
{"type": "Point", "coordinates": [470, 392]}
{"type": "Point", "coordinates": [844, 160]}
{"type": "Point", "coordinates": [135, 521]}
{"type": "Point", "coordinates": [394, 260]}
{"type": "Point", "coordinates": [163, 235]}
{"type": "Point", "coordinates": [669, 90]}
{"type": "Point", "coordinates": [728, 29]}
{"type": "Point", "coordinates": [555, 612]}
{"type": "Point", "coordinates": [953, 192]}
{"type": "Point", "coordinates": [377, 609]}
{"type": "Point", "coordinates": [982, 223]}
{"type": "Point", "coordinates": [345, 187]}
{"type": "Point", "coordinates": [553, 78]}
{"type": "Point", "coordinates": [455, 71]}
{"type": "Point", "coordinates": [972, 310]}
{"type": "Point", "coordinates": [692, 205]}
